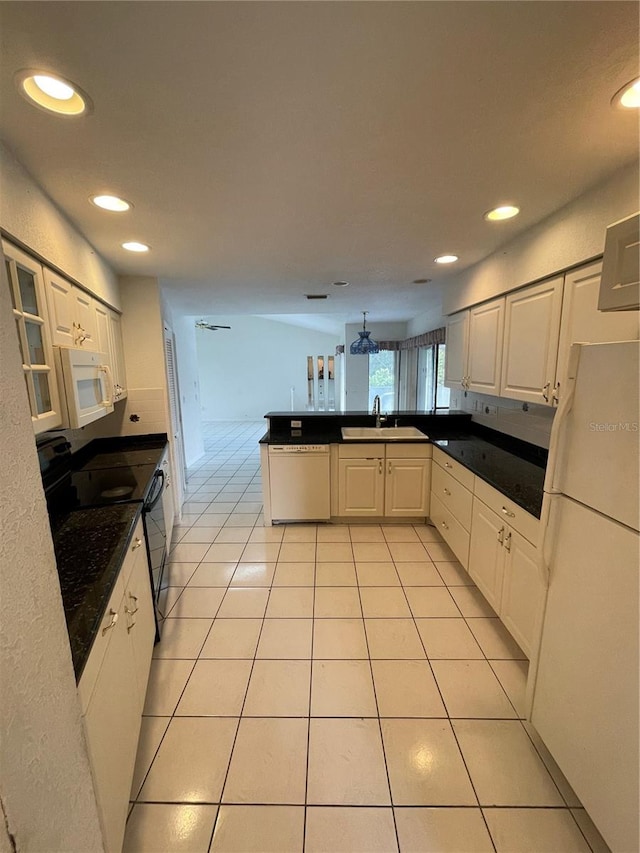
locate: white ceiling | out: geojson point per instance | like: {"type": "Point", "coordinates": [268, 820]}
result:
{"type": "Point", "coordinates": [272, 148]}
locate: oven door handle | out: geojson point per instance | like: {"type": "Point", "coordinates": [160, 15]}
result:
{"type": "Point", "coordinates": [151, 502]}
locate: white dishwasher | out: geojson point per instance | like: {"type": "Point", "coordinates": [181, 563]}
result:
{"type": "Point", "coordinates": [299, 482]}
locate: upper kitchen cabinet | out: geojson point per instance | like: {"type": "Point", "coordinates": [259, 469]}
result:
{"type": "Point", "coordinates": [486, 324]}
{"type": "Point", "coordinates": [29, 310]}
{"type": "Point", "coordinates": [117, 355]}
{"type": "Point", "coordinates": [532, 326]}
{"type": "Point", "coordinates": [582, 322]}
{"type": "Point", "coordinates": [474, 348]}
{"type": "Point", "coordinates": [620, 289]}
{"type": "Point", "coordinates": [72, 313]}
{"type": "Point", "coordinates": [455, 367]}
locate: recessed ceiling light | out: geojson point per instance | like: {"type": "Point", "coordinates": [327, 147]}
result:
{"type": "Point", "coordinates": [52, 93]}
{"type": "Point", "coordinates": [629, 96]}
{"type": "Point", "coordinates": [111, 202]}
{"type": "Point", "coordinates": [505, 211]}
{"type": "Point", "coordinates": [133, 246]}
{"type": "Point", "coordinates": [446, 259]}
{"type": "Point", "coordinates": [341, 284]}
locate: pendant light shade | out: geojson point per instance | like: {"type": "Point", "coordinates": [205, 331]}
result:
{"type": "Point", "coordinates": [364, 345]}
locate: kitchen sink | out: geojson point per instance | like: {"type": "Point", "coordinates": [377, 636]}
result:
{"type": "Point", "coordinates": [405, 433]}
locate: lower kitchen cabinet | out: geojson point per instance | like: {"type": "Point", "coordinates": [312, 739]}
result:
{"type": "Point", "coordinates": [378, 480]}
{"type": "Point", "coordinates": [112, 690]}
{"type": "Point", "coordinates": [503, 564]}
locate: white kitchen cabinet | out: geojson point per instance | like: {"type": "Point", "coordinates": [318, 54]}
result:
{"type": "Point", "coordinates": [406, 490]}
{"type": "Point", "coordinates": [474, 348]}
{"type": "Point", "coordinates": [72, 313]}
{"type": "Point", "coordinates": [117, 355]}
{"type": "Point", "coordinates": [361, 484]}
{"type": "Point", "coordinates": [103, 331]}
{"type": "Point", "coordinates": [112, 689]}
{"type": "Point", "coordinates": [26, 287]}
{"type": "Point", "coordinates": [620, 290]}
{"type": "Point", "coordinates": [383, 480]}
{"type": "Point", "coordinates": [582, 322]}
{"type": "Point", "coordinates": [457, 339]}
{"type": "Point", "coordinates": [486, 325]}
{"type": "Point", "coordinates": [450, 505]}
{"type": "Point", "coordinates": [503, 564]}
{"type": "Point", "coordinates": [531, 333]}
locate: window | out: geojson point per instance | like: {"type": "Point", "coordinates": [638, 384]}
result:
{"type": "Point", "coordinates": [382, 379]}
{"type": "Point", "coordinates": [432, 393]}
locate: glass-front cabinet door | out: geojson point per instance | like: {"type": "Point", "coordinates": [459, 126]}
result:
{"type": "Point", "coordinates": [24, 276]}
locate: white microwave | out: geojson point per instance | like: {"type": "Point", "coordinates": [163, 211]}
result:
{"type": "Point", "coordinates": [86, 385]}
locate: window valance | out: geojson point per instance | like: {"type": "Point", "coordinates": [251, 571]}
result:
{"type": "Point", "coordinates": [427, 339]}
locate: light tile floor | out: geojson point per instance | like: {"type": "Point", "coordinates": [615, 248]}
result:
{"type": "Point", "coordinates": [333, 688]}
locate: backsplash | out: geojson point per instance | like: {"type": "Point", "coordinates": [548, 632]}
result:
{"type": "Point", "coordinates": [522, 420]}
{"type": "Point", "coordinates": [148, 405]}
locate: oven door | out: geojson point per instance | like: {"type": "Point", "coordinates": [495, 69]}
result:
{"type": "Point", "coordinates": [87, 383]}
{"type": "Point", "coordinates": [156, 535]}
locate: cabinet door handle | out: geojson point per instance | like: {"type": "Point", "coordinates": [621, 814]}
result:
{"type": "Point", "coordinates": [508, 512]}
{"type": "Point", "coordinates": [448, 465]}
{"type": "Point", "coordinates": [135, 605]}
{"type": "Point", "coordinates": [545, 391]}
{"type": "Point", "coordinates": [389, 468]}
{"type": "Point", "coordinates": [129, 627]}
{"type": "Point", "coordinates": [501, 536]}
{"type": "Point", "coordinates": [114, 619]}
{"type": "Point", "coordinates": [444, 524]}
{"type": "Point", "coordinates": [447, 492]}
{"type": "Point", "coordinates": [555, 394]}
{"type": "Point", "coordinates": [507, 542]}
{"type": "Point", "coordinates": [136, 545]}
{"type": "Point", "coordinates": [380, 467]}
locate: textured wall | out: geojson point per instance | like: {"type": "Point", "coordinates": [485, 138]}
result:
{"type": "Point", "coordinates": [567, 238]}
{"type": "Point", "coordinates": [45, 785]}
{"type": "Point", "coordinates": [31, 217]}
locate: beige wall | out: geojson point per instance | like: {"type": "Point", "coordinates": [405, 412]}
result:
{"type": "Point", "coordinates": [45, 785]}
{"type": "Point", "coordinates": [29, 215]}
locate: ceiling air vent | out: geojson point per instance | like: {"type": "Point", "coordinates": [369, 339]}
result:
{"type": "Point", "coordinates": [316, 296]}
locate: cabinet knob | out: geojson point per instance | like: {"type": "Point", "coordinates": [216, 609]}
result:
{"type": "Point", "coordinates": [508, 512]}
{"type": "Point", "coordinates": [448, 465]}
{"type": "Point", "coordinates": [447, 492]}
{"type": "Point", "coordinates": [114, 619]}
{"type": "Point", "coordinates": [136, 544]}
{"type": "Point", "coordinates": [444, 524]}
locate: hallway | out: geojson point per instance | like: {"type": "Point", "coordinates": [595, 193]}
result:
{"type": "Point", "coordinates": [333, 688]}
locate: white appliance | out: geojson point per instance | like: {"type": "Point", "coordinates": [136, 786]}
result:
{"type": "Point", "coordinates": [86, 385]}
{"type": "Point", "coordinates": [299, 482]}
{"type": "Point", "coordinates": [585, 700]}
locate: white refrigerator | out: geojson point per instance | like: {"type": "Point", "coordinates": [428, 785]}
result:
{"type": "Point", "coordinates": [585, 700]}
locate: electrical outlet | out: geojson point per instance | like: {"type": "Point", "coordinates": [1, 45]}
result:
{"type": "Point", "coordinates": [296, 424]}
{"type": "Point", "coordinates": [490, 410]}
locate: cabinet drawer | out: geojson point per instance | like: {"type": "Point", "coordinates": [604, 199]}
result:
{"type": "Point", "coordinates": [100, 645]}
{"type": "Point", "coordinates": [356, 450]}
{"type": "Point", "coordinates": [454, 496]}
{"type": "Point", "coordinates": [462, 474]}
{"type": "Point", "coordinates": [521, 520]}
{"type": "Point", "coordinates": [413, 450]}
{"type": "Point", "coordinates": [453, 533]}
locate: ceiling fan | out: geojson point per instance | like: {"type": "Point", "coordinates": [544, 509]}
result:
{"type": "Point", "coordinates": [202, 325]}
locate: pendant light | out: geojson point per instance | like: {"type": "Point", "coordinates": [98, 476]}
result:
{"type": "Point", "coordinates": [364, 345]}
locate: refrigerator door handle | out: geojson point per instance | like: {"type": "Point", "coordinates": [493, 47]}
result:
{"type": "Point", "coordinates": [546, 538]}
{"type": "Point", "coordinates": [564, 407]}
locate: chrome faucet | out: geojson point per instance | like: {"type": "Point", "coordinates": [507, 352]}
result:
{"type": "Point", "coordinates": [376, 411]}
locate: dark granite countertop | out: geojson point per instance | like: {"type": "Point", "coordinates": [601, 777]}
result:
{"type": "Point", "coordinates": [519, 477]}
{"type": "Point", "coordinates": [90, 545]}
{"type": "Point", "coordinates": [121, 451]}
{"type": "Point", "coordinates": [325, 427]}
